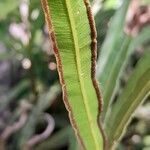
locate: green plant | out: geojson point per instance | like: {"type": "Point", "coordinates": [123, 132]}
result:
{"type": "Point", "coordinates": [32, 114]}
{"type": "Point", "coordinates": [73, 56]}
{"type": "Point", "coordinates": [71, 40]}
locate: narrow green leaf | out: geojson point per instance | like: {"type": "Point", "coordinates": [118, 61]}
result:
{"type": "Point", "coordinates": [110, 45]}
{"type": "Point", "coordinates": [128, 46]}
{"type": "Point", "coordinates": [136, 90]}
{"type": "Point", "coordinates": [110, 52]}
{"type": "Point", "coordinates": [71, 28]}
{"type": "Point", "coordinates": [113, 76]}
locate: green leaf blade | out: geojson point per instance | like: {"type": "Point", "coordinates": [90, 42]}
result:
{"type": "Point", "coordinates": [73, 53]}
{"type": "Point", "coordinates": [122, 57]}
{"type": "Point", "coordinates": [137, 89]}
{"type": "Point", "coordinates": [110, 51]}
{"type": "Point", "coordinates": [113, 38]}
{"type": "Point", "coordinates": [113, 76]}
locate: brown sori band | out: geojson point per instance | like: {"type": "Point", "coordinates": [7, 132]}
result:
{"type": "Point", "coordinates": [93, 69]}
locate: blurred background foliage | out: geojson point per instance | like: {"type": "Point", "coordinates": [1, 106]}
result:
{"type": "Point", "coordinates": [32, 113]}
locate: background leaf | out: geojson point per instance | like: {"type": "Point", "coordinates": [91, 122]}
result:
{"type": "Point", "coordinates": [110, 48]}
{"type": "Point", "coordinates": [136, 90]}
{"type": "Point", "coordinates": [10, 7]}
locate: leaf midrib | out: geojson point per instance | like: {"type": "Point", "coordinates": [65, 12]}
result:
{"type": "Point", "coordinates": [78, 66]}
